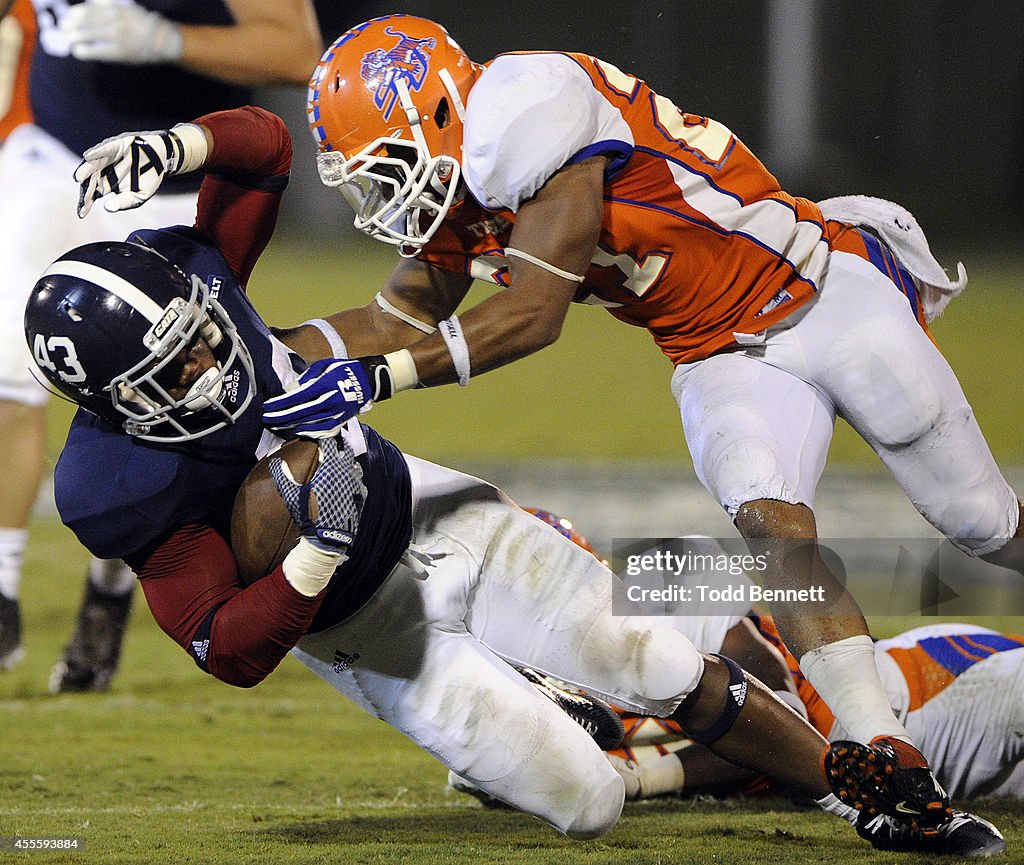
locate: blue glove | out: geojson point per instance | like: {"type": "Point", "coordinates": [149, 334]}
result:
{"type": "Point", "coordinates": [328, 394]}
{"type": "Point", "coordinates": [326, 508]}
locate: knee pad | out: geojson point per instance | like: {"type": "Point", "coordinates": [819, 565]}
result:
{"type": "Point", "coordinates": [981, 521]}
{"type": "Point", "coordinates": [666, 667]}
{"type": "Point", "coordinates": [744, 470]}
{"type": "Point", "coordinates": [601, 811]}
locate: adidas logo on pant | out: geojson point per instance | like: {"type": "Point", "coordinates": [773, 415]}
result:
{"type": "Point", "coordinates": [343, 660]}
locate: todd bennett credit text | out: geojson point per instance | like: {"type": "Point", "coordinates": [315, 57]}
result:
{"type": "Point", "coordinates": [742, 592]}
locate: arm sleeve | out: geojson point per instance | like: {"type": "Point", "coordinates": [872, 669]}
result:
{"type": "Point", "coordinates": [238, 634]}
{"type": "Point", "coordinates": [247, 172]}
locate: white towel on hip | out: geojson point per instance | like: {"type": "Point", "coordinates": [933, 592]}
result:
{"type": "Point", "coordinates": [898, 229]}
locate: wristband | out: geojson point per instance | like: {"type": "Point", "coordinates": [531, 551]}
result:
{"type": "Point", "coordinates": [451, 330]}
{"type": "Point", "coordinates": [194, 147]}
{"type": "Point", "coordinates": [403, 370]}
{"type": "Point", "coordinates": [308, 569]}
{"type": "Point", "coordinates": [389, 373]}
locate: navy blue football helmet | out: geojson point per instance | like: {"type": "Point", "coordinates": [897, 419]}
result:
{"type": "Point", "coordinates": [107, 324]}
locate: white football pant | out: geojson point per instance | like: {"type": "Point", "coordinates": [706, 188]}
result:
{"type": "Point", "coordinates": [492, 586]}
{"type": "Point", "coordinates": [759, 420]}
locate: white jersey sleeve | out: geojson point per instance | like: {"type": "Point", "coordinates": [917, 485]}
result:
{"type": "Point", "coordinates": [528, 116]}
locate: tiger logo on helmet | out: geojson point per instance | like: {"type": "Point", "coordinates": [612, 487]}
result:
{"type": "Point", "coordinates": [409, 59]}
{"type": "Point", "coordinates": [386, 105]}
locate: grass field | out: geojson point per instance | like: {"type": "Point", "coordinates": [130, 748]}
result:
{"type": "Point", "coordinates": [174, 767]}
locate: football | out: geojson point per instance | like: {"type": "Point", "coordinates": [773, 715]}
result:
{"type": "Point", "coordinates": [262, 530]}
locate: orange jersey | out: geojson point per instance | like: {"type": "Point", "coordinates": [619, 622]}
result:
{"type": "Point", "coordinates": [698, 243]}
{"type": "Point", "coordinates": [17, 42]}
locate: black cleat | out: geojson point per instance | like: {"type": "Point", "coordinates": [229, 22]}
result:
{"type": "Point", "coordinates": [11, 649]}
{"type": "Point", "coordinates": [963, 835]}
{"type": "Point", "coordinates": [90, 660]}
{"type": "Point", "coordinates": [888, 777]}
{"type": "Point", "coordinates": [593, 715]}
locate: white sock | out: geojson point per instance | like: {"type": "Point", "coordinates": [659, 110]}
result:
{"type": "Point", "coordinates": [111, 576]}
{"type": "Point", "coordinates": [663, 776]}
{"type": "Point", "coordinates": [844, 673]}
{"type": "Point", "coordinates": [12, 548]}
{"type": "Point", "coordinates": [833, 806]}
{"type": "Point", "coordinates": [656, 778]}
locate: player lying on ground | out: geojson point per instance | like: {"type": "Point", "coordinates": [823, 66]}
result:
{"type": "Point", "coordinates": [413, 588]}
{"type": "Point", "coordinates": [559, 178]}
{"type": "Point", "coordinates": [959, 689]}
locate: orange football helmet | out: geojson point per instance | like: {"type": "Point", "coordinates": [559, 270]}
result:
{"type": "Point", "coordinates": [386, 105]}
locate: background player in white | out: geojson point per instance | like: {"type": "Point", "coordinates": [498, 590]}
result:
{"type": "Point", "coordinates": [104, 66]}
{"type": "Point", "coordinates": [17, 40]}
{"type": "Point", "coordinates": [579, 183]}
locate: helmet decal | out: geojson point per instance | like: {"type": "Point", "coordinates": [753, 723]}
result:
{"type": "Point", "coordinates": [408, 59]}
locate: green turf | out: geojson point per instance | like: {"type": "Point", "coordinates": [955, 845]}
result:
{"type": "Point", "coordinates": [602, 391]}
{"type": "Point", "coordinates": [174, 767]}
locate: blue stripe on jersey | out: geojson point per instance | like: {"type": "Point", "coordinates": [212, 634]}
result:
{"type": "Point", "coordinates": [882, 258]}
{"type": "Point", "coordinates": [903, 280]}
{"type": "Point", "coordinates": [958, 653]}
{"type": "Point", "coordinates": [618, 151]}
{"type": "Point", "coordinates": [660, 154]}
{"type": "Point", "coordinates": [718, 229]}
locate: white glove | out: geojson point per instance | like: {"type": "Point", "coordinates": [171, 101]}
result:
{"type": "Point", "coordinates": [120, 31]}
{"type": "Point", "coordinates": [126, 170]}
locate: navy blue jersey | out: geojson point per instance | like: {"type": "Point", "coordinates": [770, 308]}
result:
{"type": "Point", "coordinates": [121, 496]}
{"type": "Point", "coordinates": [82, 102]}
